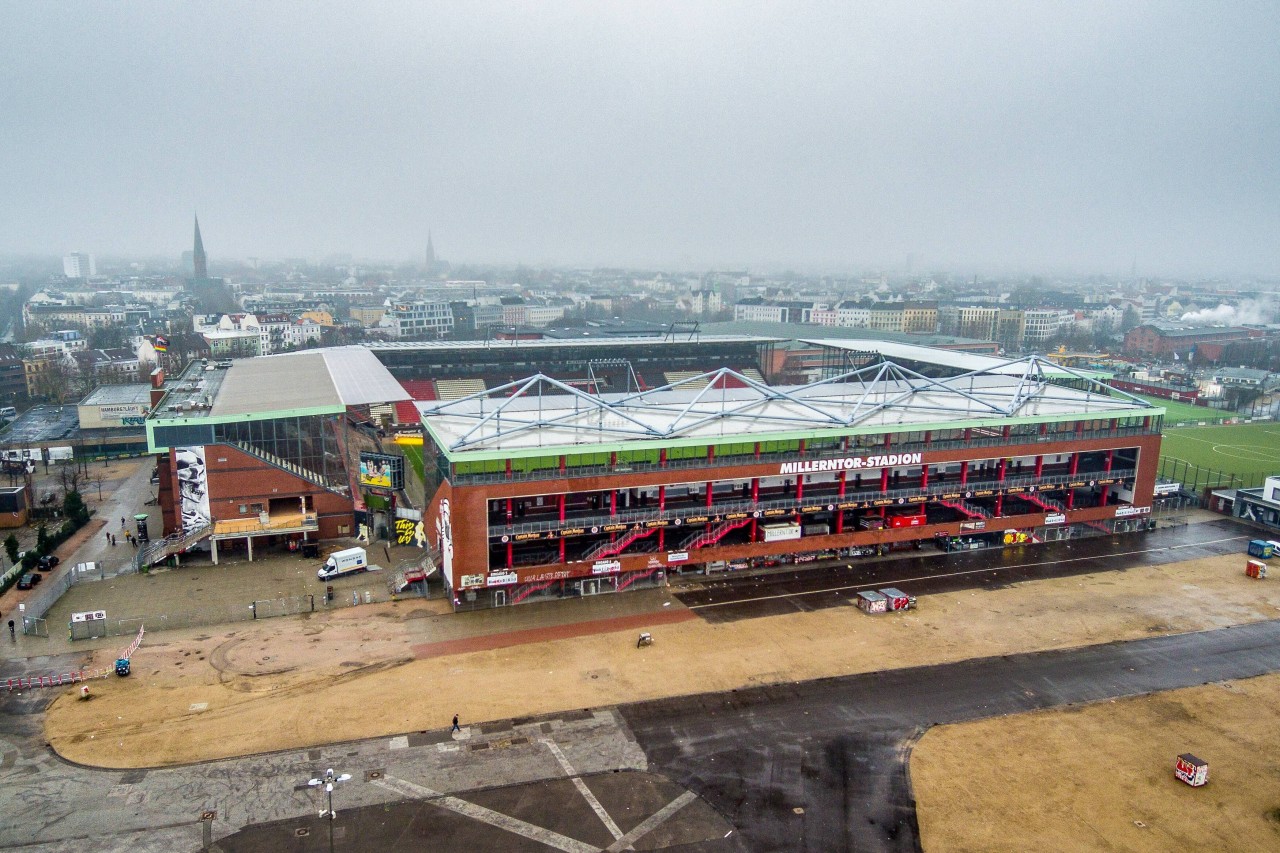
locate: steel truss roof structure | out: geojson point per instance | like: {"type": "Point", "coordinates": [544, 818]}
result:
{"type": "Point", "coordinates": [540, 413]}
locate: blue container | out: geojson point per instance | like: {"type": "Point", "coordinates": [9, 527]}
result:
{"type": "Point", "coordinates": [1260, 548]}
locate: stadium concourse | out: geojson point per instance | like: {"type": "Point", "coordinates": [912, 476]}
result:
{"type": "Point", "coordinates": [589, 477]}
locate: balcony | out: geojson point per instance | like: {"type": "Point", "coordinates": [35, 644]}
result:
{"type": "Point", "coordinates": [279, 522]}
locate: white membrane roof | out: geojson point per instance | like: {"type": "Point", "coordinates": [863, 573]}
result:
{"type": "Point", "coordinates": [541, 412]}
{"type": "Point", "coordinates": [330, 377]}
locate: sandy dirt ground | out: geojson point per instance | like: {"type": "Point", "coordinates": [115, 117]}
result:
{"type": "Point", "coordinates": [296, 682]}
{"type": "Point", "coordinates": [1100, 777]}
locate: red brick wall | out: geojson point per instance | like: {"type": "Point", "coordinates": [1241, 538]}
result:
{"type": "Point", "coordinates": [236, 479]}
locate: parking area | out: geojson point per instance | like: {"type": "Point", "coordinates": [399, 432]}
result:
{"type": "Point", "coordinates": [199, 593]}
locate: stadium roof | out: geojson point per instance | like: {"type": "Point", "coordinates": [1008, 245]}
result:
{"type": "Point", "coordinates": [332, 376]}
{"type": "Point", "coordinates": [967, 361]}
{"type": "Point", "coordinates": [542, 415]}
{"type": "Point", "coordinates": [548, 343]}
{"type": "Point", "coordinates": [795, 331]}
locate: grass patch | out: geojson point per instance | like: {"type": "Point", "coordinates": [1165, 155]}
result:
{"type": "Point", "coordinates": [1176, 412]}
{"type": "Point", "coordinates": [1249, 451]}
{"type": "Point", "coordinates": [413, 453]}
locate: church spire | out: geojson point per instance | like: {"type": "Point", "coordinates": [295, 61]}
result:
{"type": "Point", "coordinates": [431, 253]}
{"type": "Point", "coordinates": [199, 262]}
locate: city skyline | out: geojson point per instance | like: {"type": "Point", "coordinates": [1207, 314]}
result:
{"type": "Point", "coordinates": [982, 136]}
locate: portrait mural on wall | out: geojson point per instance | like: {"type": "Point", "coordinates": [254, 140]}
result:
{"type": "Point", "coordinates": [193, 487]}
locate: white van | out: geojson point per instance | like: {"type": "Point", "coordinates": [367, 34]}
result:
{"type": "Point", "coordinates": [342, 563]}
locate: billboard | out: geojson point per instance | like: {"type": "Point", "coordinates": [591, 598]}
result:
{"type": "Point", "coordinates": [381, 471]}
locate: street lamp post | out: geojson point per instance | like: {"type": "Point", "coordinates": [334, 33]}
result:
{"type": "Point", "coordinates": [328, 780]}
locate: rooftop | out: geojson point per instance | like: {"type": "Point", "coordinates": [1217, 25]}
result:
{"type": "Point", "coordinates": [540, 414]}
{"type": "Point", "coordinates": [965, 361]}
{"type": "Point", "coordinates": [119, 395]}
{"type": "Point", "coordinates": [330, 378]}
{"type": "Point", "coordinates": [800, 332]}
{"type": "Point", "coordinates": [607, 343]}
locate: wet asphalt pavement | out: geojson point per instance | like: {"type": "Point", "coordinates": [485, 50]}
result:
{"type": "Point", "coordinates": [822, 765]}
{"type": "Point", "coordinates": [931, 571]}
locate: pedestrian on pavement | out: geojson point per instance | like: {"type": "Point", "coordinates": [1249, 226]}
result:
{"type": "Point", "coordinates": [12, 636]}
{"type": "Point", "coordinates": [108, 534]}
{"type": "Point", "coordinates": [456, 727]}
{"type": "Point", "coordinates": [122, 522]}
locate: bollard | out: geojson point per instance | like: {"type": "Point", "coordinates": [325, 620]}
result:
{"type": "Point", "coordinates": [84, 691]}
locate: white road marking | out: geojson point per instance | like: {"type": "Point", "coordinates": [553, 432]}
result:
{"type": "Point", "coordinates": [650, 823]}
{"type": "Point", "coordinates": [963, 573]}
{"type": "Point", "coordinates": [400, 742]}
{"type": "Point", "coordinates": [484, 815]}
{"type": "Point", "coordinates": [595, 804]}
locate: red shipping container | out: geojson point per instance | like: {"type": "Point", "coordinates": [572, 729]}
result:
{"type": "Point", "coordinates": [907, 520]}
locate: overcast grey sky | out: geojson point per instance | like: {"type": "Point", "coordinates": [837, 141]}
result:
{"type": "Point", "coordinates": [979, 135]}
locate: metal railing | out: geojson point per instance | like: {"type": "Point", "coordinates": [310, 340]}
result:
{"type": "Point", "coordinates": [677, 515]}
{"type": "Point", "coordinates": [812, 454]}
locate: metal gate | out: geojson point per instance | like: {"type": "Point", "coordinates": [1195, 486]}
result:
{"type": "Point", "coordinates": [34, 627]}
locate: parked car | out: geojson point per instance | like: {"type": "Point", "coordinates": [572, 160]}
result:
{"type": "Point", "coordinates": [47, 562]}
{"type": "Point", "coordinates": [28, 580]}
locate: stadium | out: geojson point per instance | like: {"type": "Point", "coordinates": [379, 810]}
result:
{"type": "Point", "coordinates": [565, 483]}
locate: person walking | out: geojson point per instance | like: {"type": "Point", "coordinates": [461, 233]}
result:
{"type": "Point", "coordinates": [456, 727]}
{"type": "Point", "coordinates": [108, 535]}
{"type": "Point", "coordinates": [122, 525]}
{"type": "Point", "coordinates": [12, 635]}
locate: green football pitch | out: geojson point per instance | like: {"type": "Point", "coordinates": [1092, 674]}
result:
{"type": "Point", "coordinates": [413, 452]}
{"type": "Point", "coordinates": [1176, 412]}
{"type": "Point", "coordinates": [1211, 454]}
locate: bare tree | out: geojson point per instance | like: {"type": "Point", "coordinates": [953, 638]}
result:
{"type": "Point", "coordinates": [98, 478]}
{"type": "Point", "coordinates": [70, 478]}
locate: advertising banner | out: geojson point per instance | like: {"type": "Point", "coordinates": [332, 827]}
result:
{"type": "Point", "coordinates": [380, 471]}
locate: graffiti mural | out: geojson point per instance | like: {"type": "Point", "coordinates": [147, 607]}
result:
{"type": "Point", "coordinates": [193, 487]}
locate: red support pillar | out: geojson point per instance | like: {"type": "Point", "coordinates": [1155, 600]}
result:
{"type": "Point", "coordinates": [800, 487]}
{"type": "Point", "coordinates": [1039, 466]}
{"type": "Point", "coordinates": [1000, 471]}
{"type": "Point", "coordinates": [1074, 464]}
{"type": "Point", "coordinates": [562, 464]}
{"type": "Point", "coordinates": [1071, 498]}
{"type": "Point", "coordinates": [884, 479]}
{"type": "Point", "coordinates": [613, 502]}
{"type": "Point", "coordinates": [757, 450]}
{"type": "Point", "coordinates": [924, 477]}
{"type": "Point", "coordinates": [1106, 466]}
{"type": "Point", "coordinates": [999, 504]}
{"type": "Point", "coordinates": [509, 509]}
{"type": "Point", "coordinates": [709, 490]}
{"type": "Point", "coordinates": [508, 467]}
{"type": "Point", "coordinates": [510, 554]}
{"type": "Point", "coordinates": [839, 521]}
{"type": "Point", "coordinates": [755, 488]}
{"type": "Point", "coordinates": [662, 458]}
{"type": "Point", "coordinates": [964, 469]}
{"type": "Point", "coordinates": [803, 445]}
{"type": "Point", "coordinates": [844, 481]}
{"type": "Point", "coordinates": [662, 539]}
{"type": "Point", "coordinates": [560, 501]}
{"type": "Point", "coordinates": [711, 453]}
{"type": "Point", "coordinates": [662, 497]}
{"type": "Point", "coordinates": [561, 549]}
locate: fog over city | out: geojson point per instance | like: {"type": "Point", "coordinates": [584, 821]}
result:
{"type": "Point", "coordinates": [983, 136]}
